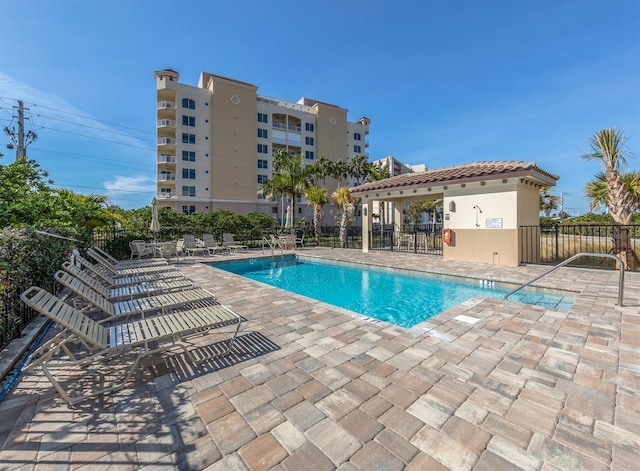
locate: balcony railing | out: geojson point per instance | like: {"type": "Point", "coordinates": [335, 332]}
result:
{"type": "Point", "coordinates": [289, 127]}
{"type": "Point", "coordinates": [166, 177]}
{"type": "Point", "coordinates": [166, 105]}
{"type": "Point", "coordinates": [166, 159]}
{"type": "Point", "coordinates": [165, 196]}
{"type": "Point", "coordinates": [166, 123]}
{"type": "Point", "coordinates": [166, 141]}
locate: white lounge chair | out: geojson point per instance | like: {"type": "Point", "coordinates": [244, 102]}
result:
{"type": "Point", "coordinates": [133, 290]}
{"type": "Point", "coordinates": [192, 246]}
{"type": "Point", "coordinates": [160, 303]}
{"type": "Point", "coordinates": [124, 343]}
{"type": "Point", "coordinates": [230, 243]}
{"type": "Point", "coordinates": [123, 279]}
{"type": "Point", "coordinates": [212, 245]}
{"type": "Point", "coordinates": [129, 270]}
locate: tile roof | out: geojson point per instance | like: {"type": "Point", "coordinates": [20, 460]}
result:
{"type": "Point", "coordinates": [457, 174]}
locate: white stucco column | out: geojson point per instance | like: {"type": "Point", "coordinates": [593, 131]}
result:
{"type": "Point", "coordinates": [367, 223]}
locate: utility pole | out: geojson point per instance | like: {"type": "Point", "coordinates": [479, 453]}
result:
{"type": "Point", "coordinates": [22, 140]}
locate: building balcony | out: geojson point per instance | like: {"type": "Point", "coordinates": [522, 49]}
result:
{"type": "Point", "coordinates": [166, 105]}
{"type": "Point", "coordinates": [166, 196]}
{"type": "Point", "coordinates": [166, 177]}
{"type": "Point", "coordinates": [166, 123]}
{"type": "Point", "coordinates": [288, 127]}
{"type": "Point", "coordinates": [166, 141]}
{"type": "Point", "coordinates": [166, 159]}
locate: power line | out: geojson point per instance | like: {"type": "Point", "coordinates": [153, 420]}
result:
{"type": "Point", "coordinates": [105, 160]}
{"type": "Point", "coordinates": [85, 117]}
{"type": "Point", "coordinates": [94, 127]}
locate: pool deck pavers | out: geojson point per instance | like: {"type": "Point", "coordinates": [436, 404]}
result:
{"type": "Point", "coordinates": [487, 385]}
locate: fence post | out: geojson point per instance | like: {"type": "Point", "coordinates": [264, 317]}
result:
{"type": "Point", "coordinates": [557, 254]}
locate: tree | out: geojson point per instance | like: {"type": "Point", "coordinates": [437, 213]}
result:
{"type": "Point", "coordinates": [548, 202]}
{"type": "Point", "coordinates": [607, 147]}
{"type": "Point", "coordinates": [346, 208]}
{"type": "Point", "coordinates": [376, 173]}
{"type": "Point", "coordinates": [322, 168]}
{"type": "Point", "coordinates": [291, 178]}
{"type": "Point", "coordinates": [26, 198]}
{"type": "Point", "coordinates": [596, 190]}
{"type": "Point", "coordinates": [317, 196]}
{"type": "Point", "coordinates": [339, 171]}
{"type": "Point", "coordinates": [87, 211]}
{"type": "Point", "coordinates": [358, 167]}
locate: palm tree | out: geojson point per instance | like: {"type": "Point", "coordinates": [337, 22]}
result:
{"type": "Point", "coordinates": [358, 167]}
{"type": "Point", "coordinates": [376, 173]}
{"type": "Point", "coordinates": [346, 208]}
{"type": "Point", "coordinates": [596, 190]}
{"type": "Point", "coordinates": [317, 196]}
{"type": "Point", "coordinates": [322, 169]}
{"type": "Point", "coordinates": [291, 178]}
{"type": "Point", "coordinates": [339, 171]}
{"type": "Point", "coordinates": [607, 146]}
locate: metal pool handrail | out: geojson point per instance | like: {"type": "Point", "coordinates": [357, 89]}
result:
{"type": "Point", "coordinates": [575, 257]}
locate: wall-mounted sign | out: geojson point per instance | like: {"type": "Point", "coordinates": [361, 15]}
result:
{"type": "Point", "coordinates": [446, 217]}
{"type": "Point", "coordinates": [493, 223]}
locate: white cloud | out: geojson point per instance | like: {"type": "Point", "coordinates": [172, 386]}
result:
{"type": "Point", "coordinates": [136, 190]}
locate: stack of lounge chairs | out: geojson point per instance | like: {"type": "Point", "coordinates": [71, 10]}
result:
{"type": "Point", "coordinates": [122, 309]}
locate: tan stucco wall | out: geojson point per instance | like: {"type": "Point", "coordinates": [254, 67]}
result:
{"type": "Point", "coordinates": [493, 246]}
{"type": "Point", "coordinates": [234, 153]}
{"type": "Point", "coordinates": [507, 203]}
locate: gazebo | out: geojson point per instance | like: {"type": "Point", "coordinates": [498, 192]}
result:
{"type": "Point", "coordinates": [485, 203]}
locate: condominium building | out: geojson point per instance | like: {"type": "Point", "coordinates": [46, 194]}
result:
{"type": "Point", "coordinates": [215, 142]}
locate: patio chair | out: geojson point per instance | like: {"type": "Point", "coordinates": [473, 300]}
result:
{"type": "Point", "coordinates": [230, 243]}
{"type": "Point", "coordinates": [299, 238]}
{"type": "Point", "coordinates": [139, 339]}
{"type": "Point", "coordinates": [133, 290]}
{"type": "Point", "coordinates": [139, 250]}
{"type": "Point", "coordinates": [212, 245]}
{"type": "Point", "coordinates": [159, 303]}
{"type": "Point", "coordinates": [192, 246]}
{"type": "Point", "coordinates": [123, 279]}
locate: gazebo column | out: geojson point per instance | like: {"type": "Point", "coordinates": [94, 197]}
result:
{"type": "Point", "coordinates": [367, 223]}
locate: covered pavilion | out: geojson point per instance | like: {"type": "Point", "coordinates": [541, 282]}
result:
{"type": "Point", "coordinates": [484, 205]}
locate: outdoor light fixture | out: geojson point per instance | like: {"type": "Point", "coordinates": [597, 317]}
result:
{"type": "Point", "coordinates": [478, 210]}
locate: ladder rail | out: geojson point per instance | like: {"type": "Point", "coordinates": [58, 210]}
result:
{"type": "Point", "coordinates": [571, 259]}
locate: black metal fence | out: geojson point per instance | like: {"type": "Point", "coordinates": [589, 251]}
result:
{"type": "Point", "coordinates": [420, 238]}
{"type": "Point", "coordinates": [15, 315]}
{"type": "Point", "coordinates": [556, 243]}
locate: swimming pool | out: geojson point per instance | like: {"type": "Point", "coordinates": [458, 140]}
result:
{"type": "Point", "coordinates": [398, 297]}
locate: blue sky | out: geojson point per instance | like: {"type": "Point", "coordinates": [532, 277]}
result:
{"type": "Point", "coordinates": [443, 82]}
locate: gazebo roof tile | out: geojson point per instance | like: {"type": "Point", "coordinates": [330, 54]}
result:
{"type": "Point", "coordinates": [456, 173]}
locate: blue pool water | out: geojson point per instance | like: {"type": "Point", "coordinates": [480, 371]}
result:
{"type": "Point", "coordinates": [400, 298]}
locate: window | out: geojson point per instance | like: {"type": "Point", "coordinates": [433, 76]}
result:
{"type": "Point", "coordinates": [263, 163]}
{"type": "Point", "coordinates": [263, 149]}
{"type": "Point", "coordinates": [263, 133]}
{"type": "Point", "coordinates": [274, 210]}
{"type": "Point", "coordinates": [357, 136]}
{"type": "Point", "coordinates": [188, 103]}
{"type": "Point", "coordinates": [188, 138]}
{"type": "Point", "coordinates": [165, 192]}
{"type": "Point", "coordinates": [188, 156]}
{"type": "Point", "coordinates": [308, 155]}
{"type": "Point", "coordinates": [262, 178]}
{"type": "Point", "coordinates": [263, 118]}
{"type": "Point", "coordinates": [188, 191]}
{"type": "Point", "coordinates": [308, 141]}
{"type": "Point", "coordinates": [308, 127]}
{"type": "Point", "coordinates": [357, 149]}
{"type": "Point", "coordinates": [261, 196]}
{"type": "Point", "coordinates": [188, 120]}
{"type": "Point", "coordinates": [188, 209]}
{"type": "Point", "coordinates": [189, 173]}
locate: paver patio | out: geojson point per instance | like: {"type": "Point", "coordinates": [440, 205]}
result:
{"type": "Point", "coordinates": [490, 385]}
